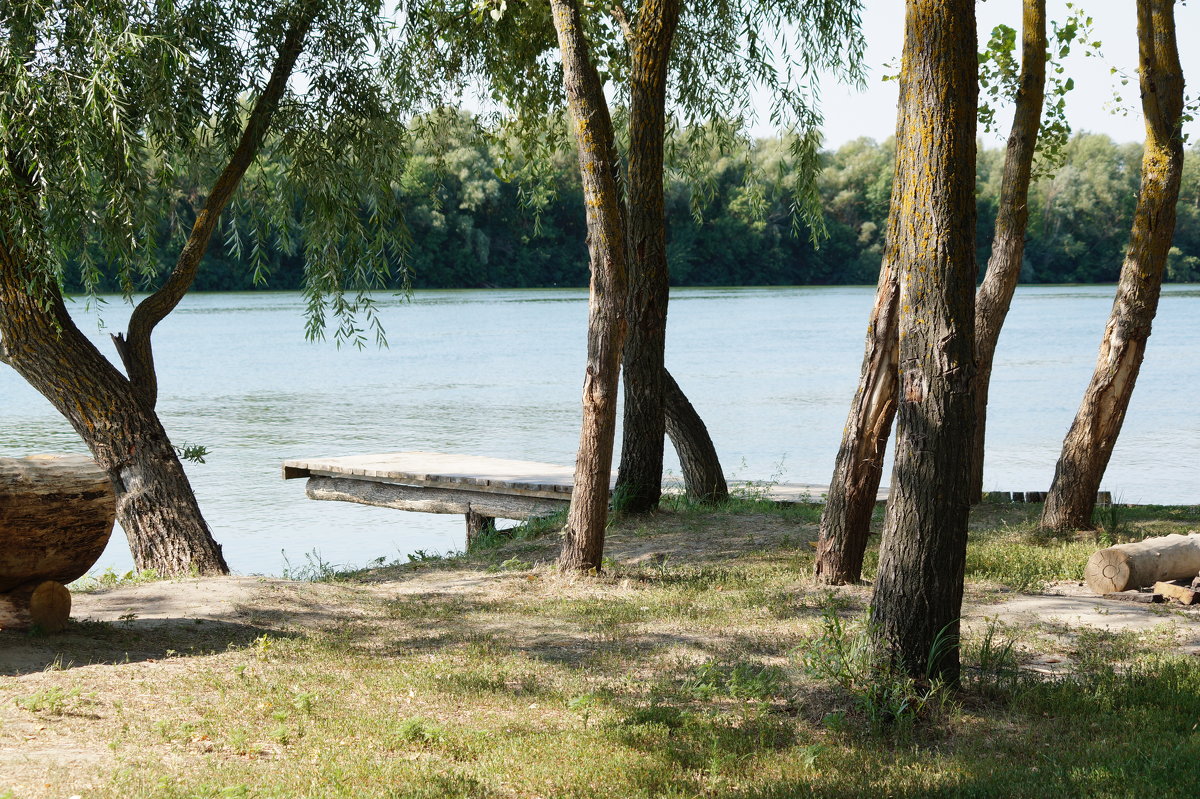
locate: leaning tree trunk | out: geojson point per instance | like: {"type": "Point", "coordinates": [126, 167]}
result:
{"type": "Point", "coordinates": [155, 503]}
{"type": "Point", "coordinates": [639, 479]}
{"type": "Point", "coordinates": [850, 503]}
{"type": "Point", "coordinates": [583, 542]}
{"type": "Point", "coordinates": [703, 479]}
{"type": "Point", "coordinates": [1008, 243]}
{"type": "Point", "coordinates": [846, 519]}
{"type": "Point", "coordinates": [1089, 443]}
{"type": "Point", "coordinates": [918, 593]}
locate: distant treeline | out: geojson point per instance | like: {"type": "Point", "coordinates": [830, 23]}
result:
{"type": "Point", "coordinates": [731, 222]}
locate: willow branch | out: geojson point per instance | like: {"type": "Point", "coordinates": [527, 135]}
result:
{"type": "Point", "coordinates": [135, 346]}
{"type": "Point", "coordinates": [622, 17]}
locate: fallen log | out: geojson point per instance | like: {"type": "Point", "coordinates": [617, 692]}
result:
{"type": "Point", "coordinates": [1143, 563]}
{"type": "Point", "coordinates": [56, 516]}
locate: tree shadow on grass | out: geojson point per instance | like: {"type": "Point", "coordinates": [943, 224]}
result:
{"type": "Point", "coordinates": [85, 643]}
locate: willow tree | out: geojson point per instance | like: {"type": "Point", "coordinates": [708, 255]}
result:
{"type": "Point", "coordinates": [716, 44]}
{"type": "Point", "coordinates": [103, 104]}
{"type": "Point", "coordinates": [668, 64]}
{"type": "Point", "coordinates": [918, 593]}
{"type": "Point", "coordinates": [846, 520]}
{"type": "Point", "coordinates": [1089, 443]}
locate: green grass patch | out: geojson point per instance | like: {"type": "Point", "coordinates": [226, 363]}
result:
{"type": "Point", "coordinates": [718, 670]}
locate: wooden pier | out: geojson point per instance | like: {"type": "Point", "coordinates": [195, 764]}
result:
{"type": "Point", "coordinates": [481, 489]}
{"type": "Point", "coordinates": [485, 489]}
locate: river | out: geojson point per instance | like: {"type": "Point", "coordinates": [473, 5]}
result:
{"type": "Point", "coordinates": [499, 373]}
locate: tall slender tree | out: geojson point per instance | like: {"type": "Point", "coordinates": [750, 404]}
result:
{"type": "Point", "coordinates": [147, 89]}
{"type": "Point", "coordinates": [918, 593]}
{"type": "Point", "coordinates": [639, 480]}
{"type": "Point", "coordinates": [1089, 443]}
{"type": "Point", "coordinates": [1012, 220]}
{"type": "Point", "coordinates": [642, 49]}
{"type": "Point", "coordinates": [653, 400]}
{"type": "Point", "coordinates": [583, 543]}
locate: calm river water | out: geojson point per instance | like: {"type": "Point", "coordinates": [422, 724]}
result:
{"type": "Point", "coordinates": [499, 373]}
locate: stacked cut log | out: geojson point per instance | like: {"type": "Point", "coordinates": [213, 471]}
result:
{"type": "Point", "coordinates": [1158, 561]}
{"type": "Point", "coordinates": [56, 516]}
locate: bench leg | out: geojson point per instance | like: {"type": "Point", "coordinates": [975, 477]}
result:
{"type": "Point", "coordinates": [478, 524]}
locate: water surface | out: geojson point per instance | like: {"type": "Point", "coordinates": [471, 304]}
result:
{"type": "Point", "coordinates": [771, 370]}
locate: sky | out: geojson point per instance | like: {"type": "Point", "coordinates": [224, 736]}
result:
{"type": "Point", "coordinates": [850, 114]}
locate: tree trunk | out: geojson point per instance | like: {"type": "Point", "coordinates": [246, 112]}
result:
{"type": "Point", "coordinates": [850, 503]}
{"type": "Point", "coordinates": [1008, 243]}
{"type": "Point", "coordinates": [583, 542]}
{"type": "Point", "coordinates": [639, 479]}
{"type": "Point", "coordinates": [155, 503]}
{"type": "Point", "coordinates": [1089, 443]}
{"type": "Point", "coordinates": [846, 519]}
{"type": "Point", "coordinates": [918, 593]}
{"type": "Point", "coordinates": [703, 479]}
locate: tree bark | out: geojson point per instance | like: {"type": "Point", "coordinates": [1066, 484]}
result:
{"type": "Point", "coordinates": [703, 479]}
{"type": "Point", "coordinates": [1008, 243]}
{"type": "Point", "coordinates": [639, 479]}
{"type": "Point", "coordinates": [583, 542]}
{"type": "Point", "coordinates": [1089, 443]}
{"type": "Point", "coordinates": [155, 503]}
{"type": "Point", "coordinates": [918, 593]}
{"type": "Point", "coordinates": [850, 503]}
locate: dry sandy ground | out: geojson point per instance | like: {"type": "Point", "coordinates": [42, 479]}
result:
{"type": "Point", "coordinates": [247, 602]}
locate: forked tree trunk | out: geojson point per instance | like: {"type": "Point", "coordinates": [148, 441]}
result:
{"type": "Point", "coordinates": [639, 479]}
{"type": "Point", "coordinates": [1008, 243]}
{"type": "Point", "coordinates": [845, 524]}
{"type": "Point", "coordinates": [583, 542]}
{"type": "Point", "coordinates": [114, 415]}
{"type": "Point", "coordinates": [918, 593]}
{"type": "Point", "coordinates": [155, 503]}
{"type": "Point", "coordinates": [1089, 443]}
{"type": "Point", "coordinates": [703, 479]}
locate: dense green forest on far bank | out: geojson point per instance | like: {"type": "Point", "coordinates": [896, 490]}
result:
{"type": "Point", "coordinates": [729, 223]}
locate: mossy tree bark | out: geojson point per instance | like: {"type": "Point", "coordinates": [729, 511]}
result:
{"type": "Point", "coordinates": [995, 294]}
{"type": "Point", "coordinates": [639, 479]}
{"type": "Point", "coordinates": [112, 413]}
{"type": "Point", "coordinates": [1089, 443]}
{"type": "Point", "coordinates": [918, 592]}
{"type": "Point", "coordinates": [599, 167]}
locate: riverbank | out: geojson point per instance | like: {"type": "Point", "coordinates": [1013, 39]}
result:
{"type": "Point", "coordinates": [685, 670]}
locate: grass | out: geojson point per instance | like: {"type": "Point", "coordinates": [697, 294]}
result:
{"type": "Point", "coordinates": [688, 675]}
